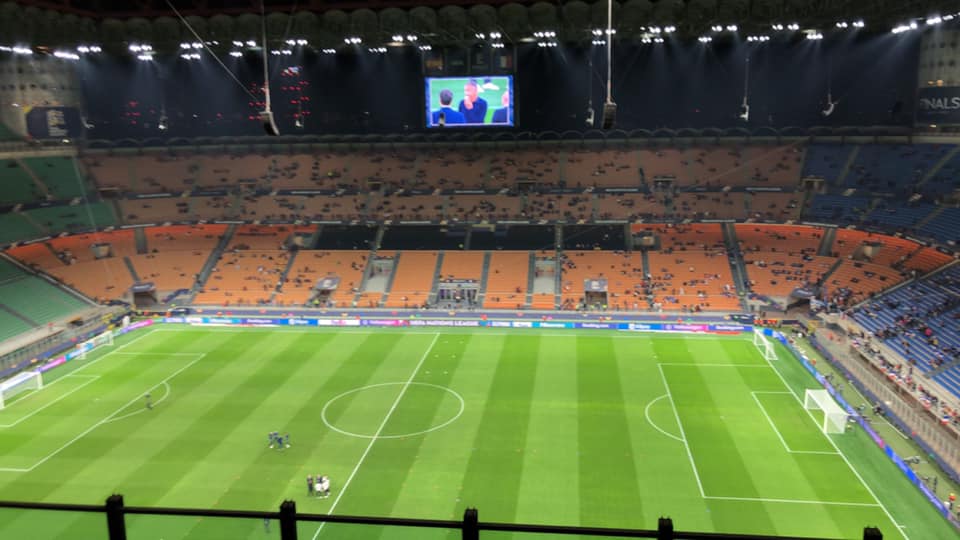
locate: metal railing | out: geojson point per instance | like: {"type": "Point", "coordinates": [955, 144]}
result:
{"type": "Point", "coordinates": [470, 526]}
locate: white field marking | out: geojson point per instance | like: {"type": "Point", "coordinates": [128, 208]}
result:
{"type": "Point", "coordinates": [682, 434]}
{"type": "Point", "coordinates": [777, 431]}
{"type": "Point", "coordinates": [377, 434]}
{"type": "Point", "coordinates": [844, 457]}
{"type": "Point", "coordinates": [161, 353]}
{"type": "Point", "coordinates": [21, 419]}
{"type": "Point", "coordinates": [101, 422]}
{"type": "Point", "coordinates": [472, 330]}
{"type": "Point", "coordinates": [323, 412]}
{"type": "Point", "coordinates": [791, 501]}
{"type": "Point", "coordinates": [138, 411]}
{"type": "Point", "coordinates": [646, 412]}
{"type": "Point", "coordinates": [713, 365]}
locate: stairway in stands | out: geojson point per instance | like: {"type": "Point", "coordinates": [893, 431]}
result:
{"type": "Point", "coordinates": [211, 262]}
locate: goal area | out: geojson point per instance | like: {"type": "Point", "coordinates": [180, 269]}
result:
{"type": "Point", "coordinates": [21, 382]}
{"type": "Point", "coordinates": [99, 340]}
{"type": "Point", "coordinates": [834, 417]}
{"type": "Point", "coordinates": [764, 345]}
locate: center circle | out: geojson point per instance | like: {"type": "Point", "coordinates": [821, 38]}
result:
{"type": "Point", "coordinates": [324, 413]}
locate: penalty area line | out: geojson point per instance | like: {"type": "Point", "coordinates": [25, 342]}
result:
{"type": "Point", "coordinates": [49, 456]}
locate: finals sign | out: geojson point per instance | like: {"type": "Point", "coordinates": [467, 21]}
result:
{"type": "Point", "coordinates": [939, 105]}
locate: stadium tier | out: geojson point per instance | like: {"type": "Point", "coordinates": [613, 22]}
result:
{"type": "Point", "coordinates": [28, 302]}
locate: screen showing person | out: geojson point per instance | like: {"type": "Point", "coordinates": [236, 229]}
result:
{"type": "Point", "coordinates": [472, 106]}
{"type": "Point", "coordinates": [446, 114]}
{"type": "Point", "coordinates": [502, 115]}
{"type": "Point", "coordinates": [474, 101]}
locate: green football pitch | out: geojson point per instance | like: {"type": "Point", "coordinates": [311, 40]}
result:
{"type": "Point", "coordinates": [568, 428]}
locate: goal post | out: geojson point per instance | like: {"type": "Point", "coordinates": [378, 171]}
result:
{"type": "Point", "coordinates": [99, 340]}
{"type": "Point", "coordinates": [21, 382]}
{"type": "Point", "coordinates": [764, 345]}
{"type": "Point", "coordinates": [834, 417]}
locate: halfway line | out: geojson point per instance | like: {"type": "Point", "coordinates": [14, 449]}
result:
{"type": "Point", "coordinates": [377, 434]}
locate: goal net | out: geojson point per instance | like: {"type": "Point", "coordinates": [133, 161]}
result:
{"type": "Point", "coordinates": [99, 340]}
{"type": "Point", "coordinates": [834, 417]}
{"type": "Point", "coordinates": [21, 382]}
{"type": "Point", "coordinates": [765, 346]}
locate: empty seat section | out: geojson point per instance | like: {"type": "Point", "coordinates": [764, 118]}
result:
{"type": "Point", "coordinates": [622, 271]}
{"type": "Point", "coordinates": [409, 207]}
{"type": "Point", "coordinates": [174, 209]}
{"type": "Point", "coordinates": [791, 239]}
{"type": "Point", "coordinates": [891, 167]}
{"type": "Point", "coordinates": [244, 277]}
{"type": "Point", "coordinates": [854, 281]}
{"type": "Point", "coordinates": [773, 166]}
{"type": "Point", "coordinates": [694, 236]}
{"type": "Point", "coordinates": [177, 254]}
{"type": "Point", "coordinates": [927, 260]}
{"type": "Point", "coordinates": [629, 206]}
{"type": "Point", "coordinates": [412, 279]}
{"type": "Point", "coordinates": [59, 174]}
{"type": "Point", "coordinates": [826, 161]}
{"type": "Point", "coordinates": [310, 267]}
{"type": "Point", "coordinates": [102, 280]}
{"type": "Point", "coordinates": [724, 205]}
{"type": "Point", "coordinates": [462, 265]}
{"type": "Point", "coordinates": [692, 280]}
{"type": "Point", "coordinates": [774, 206]}
{"type": "Point", "coordinates": [559, 207]}
{"type": "Point", "coordinates": [602, 168]}
{"type": "Point", "coordinates": [81, 217]}
{"type": "Point", "coordinates": [543, 302]}
{"type": "Point", "coordinates": [18, 185]}
{"type": "Point", "coordinates": [510, 169]}
{"type": "Point", "coordinates": [453, 169]}
{"type": "Point", "coordinates": [372, 170]}
{"type": "Point", "coordinates": [38, 300]}
{"type": "Point", "coordinates": [507, 280]}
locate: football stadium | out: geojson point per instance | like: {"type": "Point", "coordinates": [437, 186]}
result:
{"type": "Point", "coordinates": [490, 269]}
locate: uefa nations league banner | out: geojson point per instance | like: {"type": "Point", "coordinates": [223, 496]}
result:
{"type": "Point", "coordinates": [54, 123]}
{"type": "Point", "coordinates": [938, 105]}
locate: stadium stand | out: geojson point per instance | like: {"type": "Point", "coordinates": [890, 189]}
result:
{"type": "Point", "coordinates": [773, 206]}
{"type": "Point", "coordinates": [15, 227]}
{"type": "Point", "coordinates": [512, 169]}
{"type": "Point", "coordinates": [28, 302]}
{"type": "Point", "coordinates": [310, 267]}
{"type": "Point", "coordinates": [477, 208]}
{"type": "Point", "coordinates": [176, 255]}
{"type": "Point", "coordinates": [18, 185]}
{"type": "Point", "coordinates": [72, 260]}
{"type": "Point", "coordinates": [826, 161]}
{"type": "Point", "coordinates": [944, 226]}
{"type": "Point", "coordinates": [690, 281]}
{"type": "Point", "coordinates": [855, 281]}
{"type": "Point", "coordinates": [898, 217]}
{"type": "Point", "coordinates": [945, 180]}
{"type": "Point", "coordinates": [722, 205]}
{"type": "Point", "coordinates": [454, 169]}
{"type": "Point", "coordinates": [837, 208]}
{"type": "Point", "coordinates": [781, 258]}
{"type": "Point", "coordinates": [413, 278]}
{"type": "Point", "coordinates": [507, 280]}
{"type": "Point", "coordinates": [59, 174]}
{"type": "Point", "coordinates": [694, 236]}
{"type": "Point", "coordinates": [622, 271]}
{"type": "Point", "coordinates": [630, 206]}
{"type": "Point", "coordinates": [603, 168]}
{"type": "Point", "coordinates": [73, 218]}
{"type": "Point", "coordinates": [921, 322]}
{"type": "Point", "coordinates": [893, 168]}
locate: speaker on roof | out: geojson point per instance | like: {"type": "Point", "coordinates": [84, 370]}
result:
{"type": "Point", "coordinates": [609, 115]}
{"type": "Point", "coordinates": [269, 125]}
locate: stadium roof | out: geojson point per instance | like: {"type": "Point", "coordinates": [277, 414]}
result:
{"type": "Point", "coordinates": [445, 22]}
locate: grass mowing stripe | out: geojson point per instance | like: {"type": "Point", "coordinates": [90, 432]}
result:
{"type": "Point", "coordinates": [607, 471]}
{"type": "Point", "coordinates": [492, 478]}
{"type": "Point", "coordinates": [373, 440]}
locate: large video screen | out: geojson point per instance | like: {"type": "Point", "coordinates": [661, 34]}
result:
{"type": "Point", "coordinates": [469, 101]}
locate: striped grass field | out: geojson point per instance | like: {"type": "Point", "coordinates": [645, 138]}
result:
{"type": "Point", "coordinates": [577, 428]}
